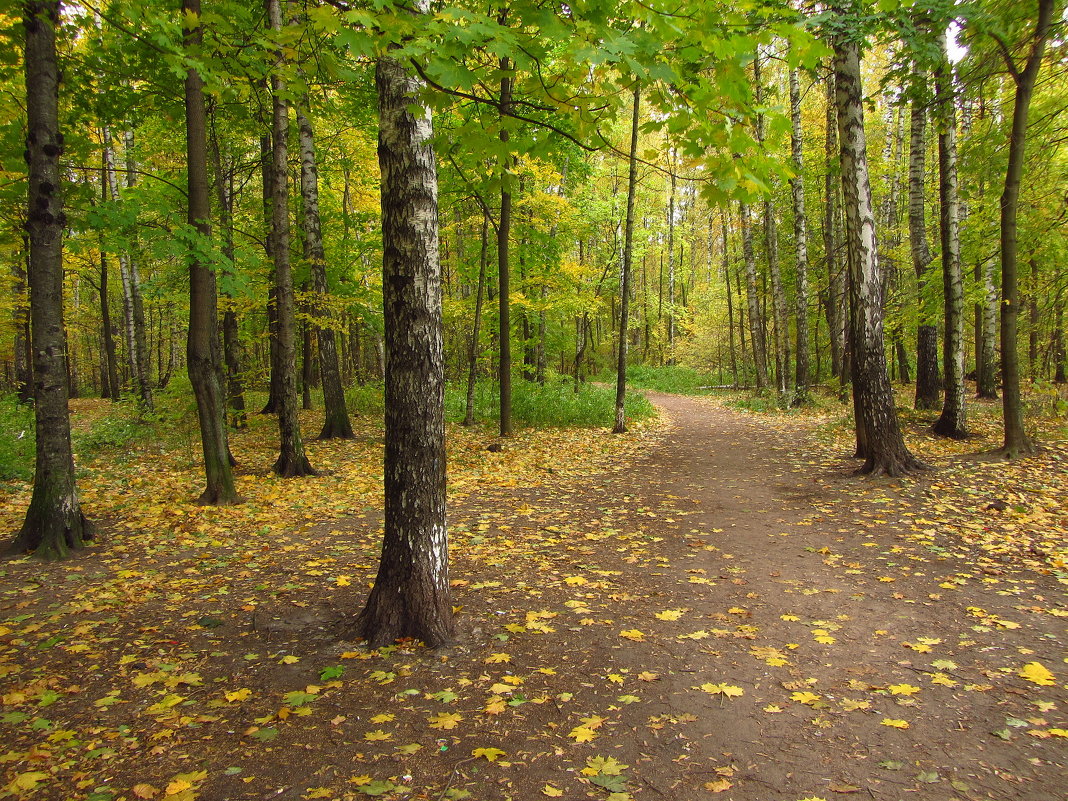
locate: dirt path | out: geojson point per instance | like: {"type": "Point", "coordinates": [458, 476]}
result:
{"type": "Point", "coordinates": [804, 588]}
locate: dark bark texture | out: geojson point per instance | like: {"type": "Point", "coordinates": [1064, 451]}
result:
{"type": "Point", "coordinates": [54, 523]}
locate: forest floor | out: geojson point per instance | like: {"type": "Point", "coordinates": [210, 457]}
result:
{"type": "Point", "coordinates": [711, 607]}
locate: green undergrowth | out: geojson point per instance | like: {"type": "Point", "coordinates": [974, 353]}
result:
{"type": "Point", "coordinates": [552, 404]}
{"type": "Point", "coordinates": [16, 439]}
{"type": "Point", "coordinates": [675, 379]}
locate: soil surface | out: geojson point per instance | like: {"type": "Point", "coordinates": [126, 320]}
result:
{"type": "Point", "coordinates": [732, 615]}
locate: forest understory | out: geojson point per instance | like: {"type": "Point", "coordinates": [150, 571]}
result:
{"type": "Point", "coordinates": [711, 606]}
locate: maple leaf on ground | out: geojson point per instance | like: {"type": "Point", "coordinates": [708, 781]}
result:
{"type": "Point", "coordinates": [1037, 673]}
{"type": "Point", "coordinates": [632, 634]}
{"type": "Point", "coordinates": [719, 785]}
{"type": "Point", "coordinates": [552, 792]}
{"type": "Point", "coordinates": [903, 689]}
{"type": "Point", "coordinates": [670, 614]}
{"type": "Point", "coordinates": [445, 720]}
{"type": "Point", "coordinates": [896, 724]}
{"type": "Point", "coordinates": [804, 697]}
{"type": "Point", "coordinates": [489, 754]}
{"type": "Point", "coordinates": [581, 734]}
{"type": "Point", "coordinates": [727, 690]}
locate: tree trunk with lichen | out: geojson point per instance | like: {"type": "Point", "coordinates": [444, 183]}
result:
{"type": "Point", "coordinates": [410, 597]}
{"type": "Point", "coordinates": [54, 524]}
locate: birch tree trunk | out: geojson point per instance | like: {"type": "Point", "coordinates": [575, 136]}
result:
{"type": "Point", "coordinates": [928, 383]}
{"type": "Point", "coordinates": [756, 324]}
{"type": "Point", "coordinates": [671, 268]}
{"type": "Point", "coordinates": [54, 523]}
{"type": "Point", "coordinates": [987, 377]}
{"type": "Point", "coordinates": [620, 426]}
{"type": "Point", "coordinates": [730, 303]}
{"type": "Point", "coordinates": [202, 343]}
{"type": "Point", "coordinates": [797, 189]}
{"type": "Point", "coordinates": [137, 302]}
{"type": "Point", "coordinates": [410, 597]}
{"type": "Point", "coordinates": [886, 453]}
{"type": "Point", "coordinates": [953, 422]}
{"type": "Point", "coordinates": [336, 424]}
{"type": "Point", "coordinates": [292, 460]}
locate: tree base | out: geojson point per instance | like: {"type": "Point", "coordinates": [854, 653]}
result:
{"type": "Point", "coordinates": [1019, 450]}
{"type": "Point", "coordinates": [293, 466]}
{"type": "Point", "coordinates": [334, 429]}
{"type": "Point", "coordinates": [214, 497]}
{"type": "Point", "coordinates": [619, 428]}
{"type": "Point", "coordinates": [383, 622]}
{"type": "Point", "coordinates": [892, 466]}
{"type": "Point", "coordinates": [51, 537]}
{"type": "Point", "coordinates": [948, 428]}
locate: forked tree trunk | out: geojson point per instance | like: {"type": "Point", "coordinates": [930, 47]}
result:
{"type": "Point", "coordinates": [928, 382]}
{"type": "Point", "coordinates": [1017, 443]}
{"type": "Point", "coordinates": [472, 350]}
{"type": "Point", "coordinates": [953, 422]}
{"type": "Point", "coordinates": [886, 453]}
{"type": "Point", "coordinates": [336, 424]}
{"type": "Point", "coordinates": [292, 460]}
{"type": "Point", "coordinates": [620, 426]}
{"type": "Point", "coordinates": [54, 523]}
{"type": "Point", "coordinates": [797, 189]}
{"type": "Point", "coordinates": [410, 597]}
{"type": "Point", "coordinates": [756, 319]}
{"type": "Point", "coordinates": [202, 344]}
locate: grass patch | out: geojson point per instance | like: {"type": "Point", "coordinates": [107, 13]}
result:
{"type": "Point", "coordinates": [552, 404]}
{"type": "Point", "coordinates": [16, 439]}
{"type": "Point", "coordinates": [675, 379]}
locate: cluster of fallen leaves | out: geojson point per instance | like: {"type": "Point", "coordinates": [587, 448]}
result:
{"type": "Point", "coordinates": [197, 650]}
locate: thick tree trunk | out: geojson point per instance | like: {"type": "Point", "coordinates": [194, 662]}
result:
{"type": "Point", "coordinates": [756, 318]}
{"type": "Point", "coordinates": [472, 350]}
{"type": "Point", "coordinates": [202, 344]}
{"type": "Point", "coordinates": [336, 424]}
{"type": "Point", "coordinates": [953, 422]}
{"type": "Point", "coordinates": [928, 382]}
{"type": "Point", "coordinates": [797, 189]}
{"type": "Point", "coordinates": [54, 523]}
{"type": "Point", "coordinates": [620, 426]}
{"type": "Point", "coordinates": [292, 460]}
{"type": "Point", "coordinates": [1017, 443]}
{"type": "Point", "coordinates": [886, 451]}
{"type": "Point", "coordinates": [410, 597]}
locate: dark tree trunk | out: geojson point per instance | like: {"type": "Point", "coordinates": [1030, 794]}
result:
{"type": "Point", "coordinates": [628, 258]}
{"type": "Point", "coordinates": [307, 362]}
{"type": "Point", "coordinates": [928, 382]}
{"type": "Point", "coordinates": [797, 189]}
{"type": "Point", "coordinates": [23, 357]}
{"type": "Point", "coordinates": [410, 597]}
{"type": "Point", "coordinates": [292, 461]}
{"type": "Point", "coordinates": [267, 175]}
{"type": "Point", "coordinates": [202, 344]}
{"type": "Point", "coordinates": [886, 453]}
{"type": "Point", "coordinates": [336, 424]}
{"type": "Point", "coordinates": [1017, 443]}
{"type": "Point", "coordinates": [472, 350]}
{"type": "Point", "coordinates": [504, 232]}
{"type": "Point", "coordinates": [111, 374]}
{"type": "Point", "coordinates": [1033, 369]}
{"type": "Point", "coordinates": [235, 390]}
{"type": "Point", "coordinates": [54, 523]}
{"type": "Point", "coordinates": [953, 422]}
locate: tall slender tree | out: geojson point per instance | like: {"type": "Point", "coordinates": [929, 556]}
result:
{"type": "Point", "coordinates": [953, 420]}
{"type": "Point", "coordinates": [336, 424]}
{"type": "Point", "coordinates": [410, 597]}
{"type": "Point", "coordinates": [620, 426]}
{"type": "Point", "coordinates": [1017, 442]}
{"type": "Point", "coordinates": [54, 523]}
{"type": "Point", "coordinates": [202, 344]}
{"type": "Point", "coordinates": [797, 189]}
{"type": "Point", "coordinates": [292, 461]}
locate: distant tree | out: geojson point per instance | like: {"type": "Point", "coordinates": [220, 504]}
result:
{"type": "Point", "coordinates": [54, 523]}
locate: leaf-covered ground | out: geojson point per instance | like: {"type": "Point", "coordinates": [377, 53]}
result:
{"type": "Point", "coordinates": [710, 608]}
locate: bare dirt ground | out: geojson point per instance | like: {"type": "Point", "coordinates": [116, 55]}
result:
{"type": "Point", "coordinates": [732, 615]}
